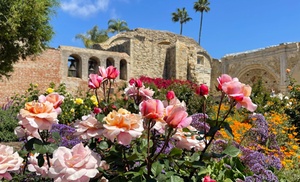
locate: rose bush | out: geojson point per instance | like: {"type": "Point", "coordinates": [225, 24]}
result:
{"type": "Point", "coordinates": [141, 137]}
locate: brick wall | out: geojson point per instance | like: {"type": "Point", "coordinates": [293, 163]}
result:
{"type": "Point", "coordinates": [43, 70]}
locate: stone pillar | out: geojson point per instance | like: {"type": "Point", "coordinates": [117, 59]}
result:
{"type": "Point", "coordinates": [283, 83]}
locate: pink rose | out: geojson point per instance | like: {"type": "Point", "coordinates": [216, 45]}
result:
{"type": "Point", "coordinates": [95, 81]}
{"type": "Point", "coordinates": [123, 126]}
{"type": "Point", "coordinates": [170, 95]}
{"type": "Point", "coordinates": [9, 161]}
{"type": "Point", "coordinates": [202, 90]}
{"type": "Point", "coordinates": [112, 72]}
{"type": "Point", "coordinates": [37, 116]}
{"type": "Point", "coordinates": [76, 164]}
{"type": "Point", "coordinates": [188, 140]}
{"type": "Point", "coordinates": [240, 93]}
{"type": "Point", "coordinates": [223, 79]}
{"type": "Point", "coordinates": [34, 167]}
{"type": "Point", "coordinates": [208, 179]}
{"type": "Point", "coordinates": [102, 72]}
{"type": "Point", "coordinates": [177, 117]}
{"type": "Point", "coordinates": [53, 98]}
{"type": "Point", "coordinates": [97, 110]}
{"type": "Point", "coordinates": [152, 109]}
{"type": "Point", "coordinates": [88, 127]}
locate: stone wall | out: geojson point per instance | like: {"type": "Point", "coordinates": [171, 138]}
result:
{"type": "Point", "coordinates": [161, 54]}
{"type": "Point", "coordinates": [157, 54]}
{"type": "Point", "coordinates": [268, 64]}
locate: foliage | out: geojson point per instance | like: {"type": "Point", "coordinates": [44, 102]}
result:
{"type": "Point", "coordinates": [25, 30]}
{"type": "Point", "coordinates": [117, 26]}
{"type": "Point", "coordinates": [201, 6]}
{"type": "Point", "coordinates": [8, 122]}
{"type": "Point", "coordinates": [93, 36]}
{"type": "Point", "coordinates": [225, 143]}
{"type": "Point", "coordinates": [182, 16]}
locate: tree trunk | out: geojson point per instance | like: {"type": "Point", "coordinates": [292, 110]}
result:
{"type": "Point", "coordinates": [180, 28]}
{"type": "Point", "coordinates": [200, 31]}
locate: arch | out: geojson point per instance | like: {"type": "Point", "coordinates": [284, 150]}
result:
{"type": "Point", "coordinates": [110, 62]}
{"type": "Point", "coordinates": [93, 65]}
{"type": "Point", "coordinates": [123, 69]}
{"type": "Point", "coordinates": [74, 66]}
{"type": "Point", "coordinates": [253, 73]}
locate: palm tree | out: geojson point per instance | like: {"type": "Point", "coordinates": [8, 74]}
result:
{"type": "Point", "coordinates": [117, 26]}
{"type": "Point", "coordinates": [201, 6]}
{"type": "Point", "coordinates": [182, 16]}
{"type": "Point", "coordinates": [93, 36]}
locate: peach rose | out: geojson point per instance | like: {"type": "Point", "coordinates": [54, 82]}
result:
{"type": "Point", "coordinates": [76, 164]}
{"type": "Point", "coordinates": [122, 125]}
{"type": "Point", "coordinates": [37, 116]}
{"type": "Point", "coordinates": [9, 161]}
{"type": "Point", "coordinates": [188, 140]}
{"type": "Point", "coordinates": [88, 127]}
{"type": "Point", "coordinates": [53, 98]}
{"type": "Point", "coordinates": [34, 167]}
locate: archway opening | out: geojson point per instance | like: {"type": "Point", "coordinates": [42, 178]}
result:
{"type": "Point", "coordinates": [74, 66]}
{"type": "Point", "coordinates": [110, 62]}
{"type": "Point", "coordinates": [123, 69]}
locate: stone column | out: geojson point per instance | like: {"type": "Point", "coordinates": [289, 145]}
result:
{"type": "Point", "coordinates": [283, 83]}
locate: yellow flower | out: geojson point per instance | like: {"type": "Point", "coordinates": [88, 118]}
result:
{"type": "Point", "coordinates": [78, 101]}
{"type": "Point", "coordinates": [94, 100]}
{"type": "Point", "coordinates": [295, 147]}
{"type": "Point", "coordinates": [49, 90]}
{"type": "Point", "coordinates": [72, 110]}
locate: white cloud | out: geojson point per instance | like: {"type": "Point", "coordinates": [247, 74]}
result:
{"type": "Point", "coordinates": [84, 8]}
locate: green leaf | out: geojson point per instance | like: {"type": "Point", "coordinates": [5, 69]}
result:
{"type": "Point", "coordinates": [231, 151]}
{"type": "Point", "coordinates": [156, 168]}
{"type": "Point", "coordinates": [176, 179]}
{"type": "Point", "coordinates": [227, 180]}
{"type": "Point", "coordinates": [228, 129]}
{"type": "Point", "coordinates": [175, 152]}
{"type": "Point", "coordinates": [43, 149]}
{"type": "Point", "coordinates": [56, 136]}
{"type": "Point", "coordinates": [195, 157]}
{"type": "Point", "coordinates": [31, 142]}
{"type": "Point", "coordinates": [103, 145]}
{"type": "Point", "coordinates": [212, 131]}
{"type": "Point", "coordinates": [41, 160]}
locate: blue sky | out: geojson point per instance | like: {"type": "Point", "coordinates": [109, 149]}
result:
{"type": "Point", "coordinates": [231, 26]}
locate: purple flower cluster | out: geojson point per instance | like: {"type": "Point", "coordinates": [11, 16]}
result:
{"type": "Point", "coordinates": [260, 165]}
{"type": "Point", "coordinates": [198, 122]}
{"type": "Point", "coordinates": [219, 145]}
{"type": "Point", "coordinates": [168, 148]}
{"type": "Point", "coordinates": [68, 139]}
{"type": "Point", "coordinates": [260, 128]}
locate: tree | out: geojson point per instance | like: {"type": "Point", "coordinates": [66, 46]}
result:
{"type": "Point", "coordinates": [117, 26]}
{"type": "Point", "coordinates": [201, 6]}
{"type": "Point", "coordinates": [182, 16]}
{"type": "Point", "coordinates": [24, 30]}
{"type": "Point", "coordinates": [93, 36]}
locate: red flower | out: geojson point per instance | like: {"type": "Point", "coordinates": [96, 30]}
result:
{"type": "Point", "coordinates": [170, 95]}
{"type": "Point", "coordinates": [202, 90]}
